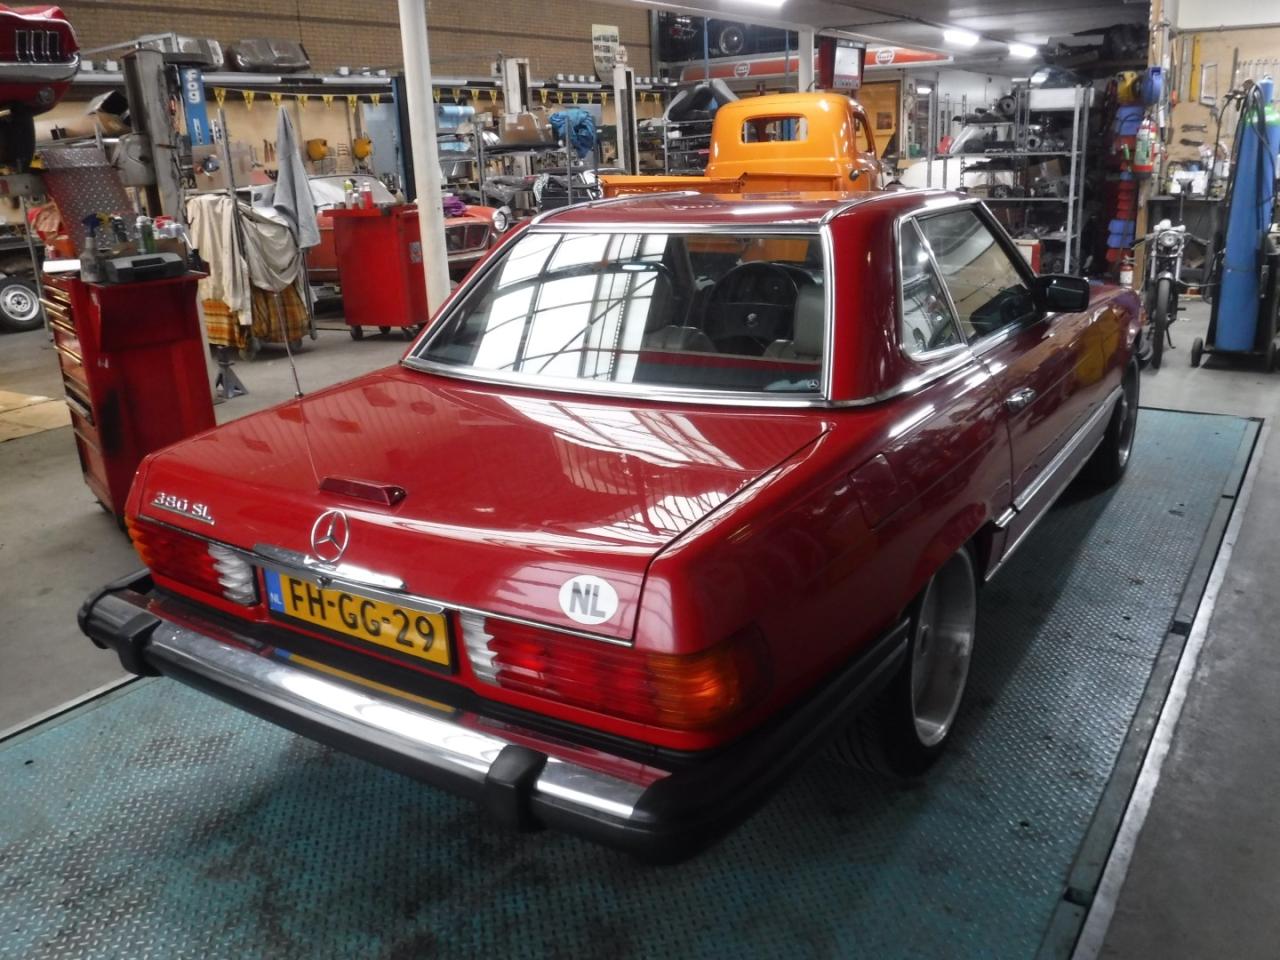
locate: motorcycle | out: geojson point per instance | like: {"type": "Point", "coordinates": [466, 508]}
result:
{"type": "Point", "coordinates": [1166, 245]}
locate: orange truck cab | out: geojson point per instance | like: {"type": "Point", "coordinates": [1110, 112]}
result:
{"type": "Point", "coordinates": [807, 142]}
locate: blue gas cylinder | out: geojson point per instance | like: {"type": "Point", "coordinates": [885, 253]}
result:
{"type": "Point", "coordinates": [1247, 222]}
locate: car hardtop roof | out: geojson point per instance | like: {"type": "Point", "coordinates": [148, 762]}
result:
{"type": "Point", "coordinates": [691, 210]}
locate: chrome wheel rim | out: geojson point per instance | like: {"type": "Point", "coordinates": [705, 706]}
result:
{"type": "Point", "coordinates": [19, 303]}
{"type": "Point", "coordinates": [1128, 414]}
{"type": "Point", "coordinates": [942, 646]}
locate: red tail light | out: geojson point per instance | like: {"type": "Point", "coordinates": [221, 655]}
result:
{"type": "Point", "coordinates": [209, 567]}
{"type": "Point", "coordinates": [679, 691]}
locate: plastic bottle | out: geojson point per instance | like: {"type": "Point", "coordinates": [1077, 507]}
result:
{"type": "Point", "coordinates": [348, 193]}
{"type": "Point", "coordinates": [1144, 153]}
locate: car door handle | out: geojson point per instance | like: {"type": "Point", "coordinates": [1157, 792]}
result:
{"type": "Point", "coordinates": [1019, 399]}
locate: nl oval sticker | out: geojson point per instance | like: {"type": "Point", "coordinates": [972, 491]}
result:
{"type": "Point", "coordinates": [588, 599]}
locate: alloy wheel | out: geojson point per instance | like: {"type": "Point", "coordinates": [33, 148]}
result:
{"type": "Point", "coordinates": [942, 646]}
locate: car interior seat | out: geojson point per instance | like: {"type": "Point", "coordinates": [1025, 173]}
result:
{"type": "Point", "coordinates": [661, 334]}
{"type": "Point", "coordinates": [808, 328]}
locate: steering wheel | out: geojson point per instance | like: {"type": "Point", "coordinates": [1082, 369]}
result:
{"type": "Point", "coordinates": [754, 301]}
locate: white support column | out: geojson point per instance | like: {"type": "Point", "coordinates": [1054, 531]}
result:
{"type": "Point", "coordinates": [624, 106]}
{"type": "Point", "coordinates": [804, 75]}
{"type": "Point", "coordinates": [426, 157]}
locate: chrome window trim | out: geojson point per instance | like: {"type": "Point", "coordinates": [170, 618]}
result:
{"type": "Point", "coordinates": [647, 392]}
{"type": "Point", "coordinates": [987, 341]}
{"type": "Point", "coordinates": [900, 294]}
{"type": "Point", "coordinates": [827, 385]}
{"type": "Point", "coordinates": [962, 358]}
{"type": "Point", "coordinates": [810, 228]}
{"type": "Point", "coordinates": [347, 575]}
{"type": "Point", "coordinates": [870, 196]}
{"type": "Point", "coordinates": [546, 215]}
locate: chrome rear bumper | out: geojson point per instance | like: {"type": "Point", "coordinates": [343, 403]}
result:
{"type": "Point", "coordinates": [523, 778]}
{"type": "Point", "coordinates": [16, 71]}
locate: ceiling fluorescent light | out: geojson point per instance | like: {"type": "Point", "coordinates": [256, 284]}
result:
{"type": "Point", "coordinates": [960, 38]}
{"type": "Point", "coordinates": [1022, 51]}
{"type": "Point", "coordinates": [772, 4]}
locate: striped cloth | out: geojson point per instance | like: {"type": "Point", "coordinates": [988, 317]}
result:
{"type": "Point", "coordinates": [225, 329]}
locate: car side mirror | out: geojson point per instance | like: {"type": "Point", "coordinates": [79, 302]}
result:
{"type": "Point", "coordinates": [1060, 293]}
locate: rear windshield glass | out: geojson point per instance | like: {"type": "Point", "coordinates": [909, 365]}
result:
{"type": "Point", "coordinates": [775, 129]}
{"type": "Point", "coordinates": [742, 312]}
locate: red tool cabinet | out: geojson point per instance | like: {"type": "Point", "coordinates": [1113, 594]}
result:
{"type": "Point", "coordinates": [134, 371]}
{"type": "Point", "coordinates": [380, 267]}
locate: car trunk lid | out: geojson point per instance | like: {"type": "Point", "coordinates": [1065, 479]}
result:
{"type": "Point", "coordinates": [508, 495]}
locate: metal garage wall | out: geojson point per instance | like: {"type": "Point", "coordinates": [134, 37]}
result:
{"type": "Point", "coordinates": [1222, 14]}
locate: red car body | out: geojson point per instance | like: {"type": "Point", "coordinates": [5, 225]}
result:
{"type": "Point", "coordinates": [764, 555]}
{"type": "Point", "coordinates": [38, 57]}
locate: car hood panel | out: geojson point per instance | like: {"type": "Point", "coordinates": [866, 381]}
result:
{"type": "Point", "coordinates": [508, 493]}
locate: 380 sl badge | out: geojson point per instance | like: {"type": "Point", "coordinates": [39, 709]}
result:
{"type": "Point", "coordinates": [182, 506]}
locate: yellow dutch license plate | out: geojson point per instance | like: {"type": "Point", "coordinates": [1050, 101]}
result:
{"type": "Point", "coordinates": [415, 633]}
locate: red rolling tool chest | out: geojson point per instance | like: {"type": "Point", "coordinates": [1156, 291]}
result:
{"type": "Point", "coordinates": [134, 371]}
{"type": "Point", "coordinates": [380, 267]}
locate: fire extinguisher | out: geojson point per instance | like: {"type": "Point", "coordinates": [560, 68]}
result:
{"type": "Point", "coordinates": [1126, 271]}
{"type": "Point", "coordinates": [1144, 152]}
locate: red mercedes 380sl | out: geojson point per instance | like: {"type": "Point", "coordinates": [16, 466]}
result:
{"type": "Point", "coordinates": [674, 490]}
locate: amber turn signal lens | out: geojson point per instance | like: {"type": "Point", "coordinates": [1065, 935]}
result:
{"type": "Point", "coordinates": [679, 691]}
{"type": "Point", "coordinates": [209, 567]}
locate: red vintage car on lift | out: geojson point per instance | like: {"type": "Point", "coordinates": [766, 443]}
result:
{"type": "Point", "coordinates": [38, 57]}
{"type": "Point", "coordinates": [674, 490]}
{"type": "Point", "coordinates": [467, 236]}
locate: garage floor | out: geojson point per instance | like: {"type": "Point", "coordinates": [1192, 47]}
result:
{"type": "Point", "coordinates": [57, 544]}
{"type": "Point", "coordinates": [248, 813]}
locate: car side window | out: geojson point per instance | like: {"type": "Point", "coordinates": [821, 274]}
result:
{"type": "Point", "coordinates": [927, 320]}
{"type": "Point", "coordinates": [987, 288]}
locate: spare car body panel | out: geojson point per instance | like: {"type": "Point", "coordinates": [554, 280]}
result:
{"type": "Point", "coordinates": [38, 57]}
{"type": "Point", "coordinates": [267, 55]}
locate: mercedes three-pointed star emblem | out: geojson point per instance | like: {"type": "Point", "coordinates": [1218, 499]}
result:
{"type": "Point", "coordinates": [329, 536]}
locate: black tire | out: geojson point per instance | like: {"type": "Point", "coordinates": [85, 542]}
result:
{"type": "Point", "coordinates": [410, 332]}
{"type": "Point", "coordinates": [1110, 461]}
{"type": "Point", "coordinates": [19, 305]}
{"type": "Point", "coordinates": [384, 330]}
{"type": "Point", "coordinates": [295, 345]}
{"type": "Point", "coordinates": [732, 39]}
{"type": "Point", "coordinates": [17, 139]}
{"type": "Point", "coordinates": [357, 333]}
{"type": "Point", "coordinates": [897, 734]}
{"type": "Point", "coordinates": [1197, 351]}
{"type": "Point", "coordinates": [250, 348]}
{"type": "Point", "coordinates": [1160, 318]}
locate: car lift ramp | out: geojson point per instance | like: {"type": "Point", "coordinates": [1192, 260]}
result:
{"type": "Point", "coordinates": [156, 822]}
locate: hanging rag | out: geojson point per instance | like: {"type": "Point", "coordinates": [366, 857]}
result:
{"type": "Point", "coordinates": [270, 259]}
{"type": "Point", "coordinates": [576, 128]}
{"type": "Point", "coordinates": [293, 187]}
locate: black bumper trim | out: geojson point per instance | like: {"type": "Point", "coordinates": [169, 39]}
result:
{"type": "Point", "coordinates": [673, 818]}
